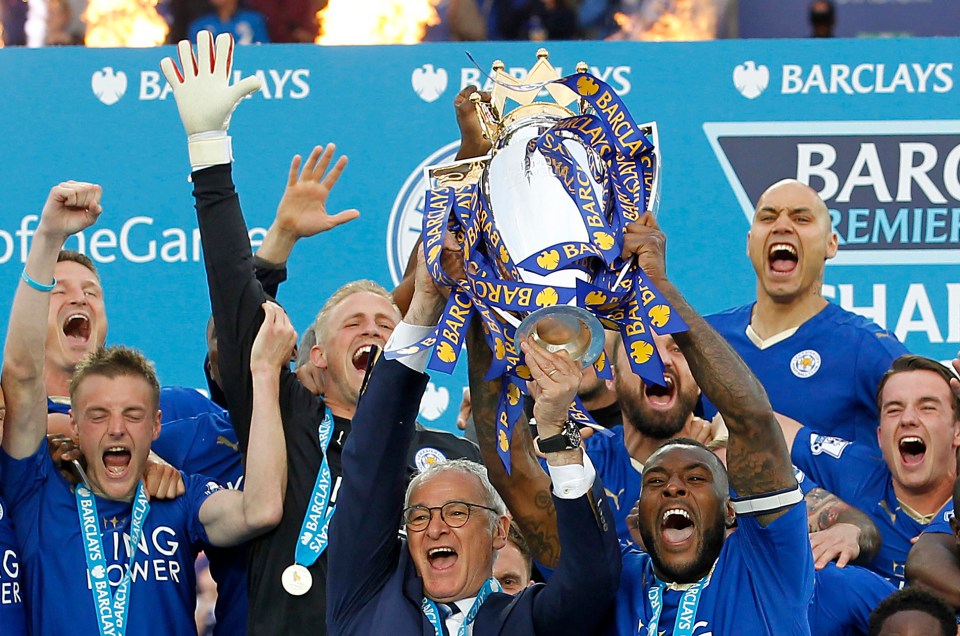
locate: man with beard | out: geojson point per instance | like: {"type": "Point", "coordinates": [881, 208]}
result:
{"type": "Point", "coordinates": [795, 341]}
{"type": "Point", "coordinates": [760, 580]}
{"type": "Point", "coordinates": [651, 415]}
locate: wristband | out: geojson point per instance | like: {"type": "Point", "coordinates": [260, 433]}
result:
{"type": "Point", "coordinates": [209, 149]}
{"type": "Point", "coordinates": [767, 502]}
{"type": "Point", "coordinates": [40, 287]}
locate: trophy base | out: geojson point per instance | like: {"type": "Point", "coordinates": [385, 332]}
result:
{"type": "Point", "coordinates": [565, 328]}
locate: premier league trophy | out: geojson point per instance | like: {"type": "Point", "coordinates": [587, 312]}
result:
{"type": "Point", "coordinates": [540, 220]}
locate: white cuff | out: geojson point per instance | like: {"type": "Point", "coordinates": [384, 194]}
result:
{"type": "Point", "coordinates": [405, 335]}
{"type": "Point", "coordinates": [573, 481]}
{"type": "Point", "coordinates": [767, 502]}
{"type": "Point", "coordinates": [209, 149]}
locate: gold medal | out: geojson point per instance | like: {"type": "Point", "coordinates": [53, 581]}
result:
{"type": "Point", "coordinates": [297, 580]}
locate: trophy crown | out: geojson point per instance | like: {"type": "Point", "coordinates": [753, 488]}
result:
{"type": "Point", "coordinates": [495, 116]}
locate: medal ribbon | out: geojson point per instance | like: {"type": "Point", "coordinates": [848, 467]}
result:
{"type": "Point", "coordinates": [433, 614]}
{"type": "Point", "coordinates": [109, 606]}
{"type": "Point", "coordinates": [313, 531]}
{"type": "Point", "coordinates": [686, 610]}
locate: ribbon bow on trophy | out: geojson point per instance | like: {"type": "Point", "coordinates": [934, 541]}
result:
{"type": "Point", "coordinates": [540, 221]}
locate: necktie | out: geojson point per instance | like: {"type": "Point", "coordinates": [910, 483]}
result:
{"type": "Point", "coordinates": [449, 609]}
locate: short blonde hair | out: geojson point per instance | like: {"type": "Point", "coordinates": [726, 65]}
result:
{"type": "Point", "coordinates": [344, 292]}
{"type": "Point", "coordinates": [113, 362]}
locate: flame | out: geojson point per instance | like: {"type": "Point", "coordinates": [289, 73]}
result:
{"type": "Point", "coordinates": [682, 20]}
{"type": "Point", "coordinates": [124, 23]}
{"type": "Point", "coordinates": [376, 21]}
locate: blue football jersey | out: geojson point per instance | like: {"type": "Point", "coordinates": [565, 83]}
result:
{"type": "Point", "coordinates": [941, 523]}
{"type": "Point", "coordinates": [57, 586]}
{"type": "Point", "coordinates": [836, 356]}
{"type": "Point", "coordinates": [196, 437]}
{"type": "Point", "coordinates": [207, 445]}
{"type": "Point", "coordinates": [853, 473]}
{"type": "Point", "coordinates": [762, 583]}
{"type": "Point", "coordinates": [843, 599]}
{"type": "Point", "coordinates": [246, 26]}
{"type": "Point", "coordinates": [621, 480]}
{"type": "Point", "coordinates": [12, 613]}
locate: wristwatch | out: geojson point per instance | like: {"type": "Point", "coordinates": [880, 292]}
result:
{"type": "Point", "coordinates": [567, 439]}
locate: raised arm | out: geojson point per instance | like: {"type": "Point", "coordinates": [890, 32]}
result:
{"type": "Point", "coordinates": [758, 461]}
{"type": "Point", "coordinates": [303, 209]}
{"type": "Point", "coordinates": [206, 100]}
{"type": "Point", "coordinates": [70, 208]}
{"type": "Point", "coordinates": [364, 549]}
{"type": "Point", "coordinates": [526, 491]}
{"type": "Point", "coordinates": [231, 516]}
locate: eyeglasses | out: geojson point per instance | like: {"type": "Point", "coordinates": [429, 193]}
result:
{"type": "Point", "coordinates": [453, 513]}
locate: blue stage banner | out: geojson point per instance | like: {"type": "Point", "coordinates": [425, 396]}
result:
{"type": "Point", "coordinates": [872, 124]}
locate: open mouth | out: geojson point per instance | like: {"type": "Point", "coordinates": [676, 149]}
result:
{"type": "Point", "coordinates": [676, 527]}
{"type": "Point", "coordinates": [912, 450]}
{"type": "Point", "coordinates": [361, 356]}
{"type": "Point", "coordinates": [116, 460]}
{"type": "Point", "coordinates": [441, 558]}
{"type": "Point", "coordinates": [782, 258]}
{"type": "Point", "coordinates": [661, 396]}
{"type": "Point", "coordinates": [77, 329]}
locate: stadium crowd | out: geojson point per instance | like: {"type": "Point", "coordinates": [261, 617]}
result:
{"type": "Point", "coordinates": [796, 474]}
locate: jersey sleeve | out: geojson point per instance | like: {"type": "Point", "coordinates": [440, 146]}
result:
{"type": "Point", "coordinates": [198, 489]}
{"type": "Point", "coordinates": [804, 481]}
{"type": "Point", "coordinates": [940, 524]}
{"type": "Point", "coordinates": [21, 480]}
{"type": "Point", "coordinates": [779, 557]}
{"type": "Point", "coordinates": [838, 465]}
{"type": "Point", "coordinates": [877, 350]}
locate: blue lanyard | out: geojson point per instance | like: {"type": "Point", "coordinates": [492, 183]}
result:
{"type": "Point", "coordinates": [686, 610]}
{"type": "Point", "coordinates": [433, 615]}
{"type": "Point", "coordinates": [109, 606]}
{"type": "Point", "coordinates": [313, 530]}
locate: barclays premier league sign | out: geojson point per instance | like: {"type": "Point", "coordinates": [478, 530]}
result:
{"type": "Point", "coordinates": [873, 125]}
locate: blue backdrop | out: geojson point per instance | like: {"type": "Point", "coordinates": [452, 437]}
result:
{"type": "Point", "coordinates": [873, 124]}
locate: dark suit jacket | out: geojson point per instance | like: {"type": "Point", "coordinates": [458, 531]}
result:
{"type": "Point", "coordinates": [372, 584]}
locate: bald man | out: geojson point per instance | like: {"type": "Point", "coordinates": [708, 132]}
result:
{"type": "Point", "coordinates": [819, 363]}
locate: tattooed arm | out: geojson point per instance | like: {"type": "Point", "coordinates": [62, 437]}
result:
{"type": "Point", "coordinates": [758, 461]}
{"type": "Point", "coordinates": [526, 491]}
{"type": "Point", "coordinates": [838, 531]}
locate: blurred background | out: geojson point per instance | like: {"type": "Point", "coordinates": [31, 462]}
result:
{"type": "Point", "coordinates": [142, 23]}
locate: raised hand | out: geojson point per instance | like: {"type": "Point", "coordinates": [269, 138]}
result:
{"type": "Point", "coordinates": [303, 209]}
{"type": "Point", "coordinates": [644, 239]}
{"type": "Point", "coordinates": [71, 207]}
{"type": "Point", "coordinates": [472, 143]}
{"type": "Point", "coordinates": [205, 97]}
{"type": "Point", "coordinates": [556, 379]}
{"type": "Point", "coordinates": [429, 298]}
{"type": "Point", "coordinates": [275, 341]}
